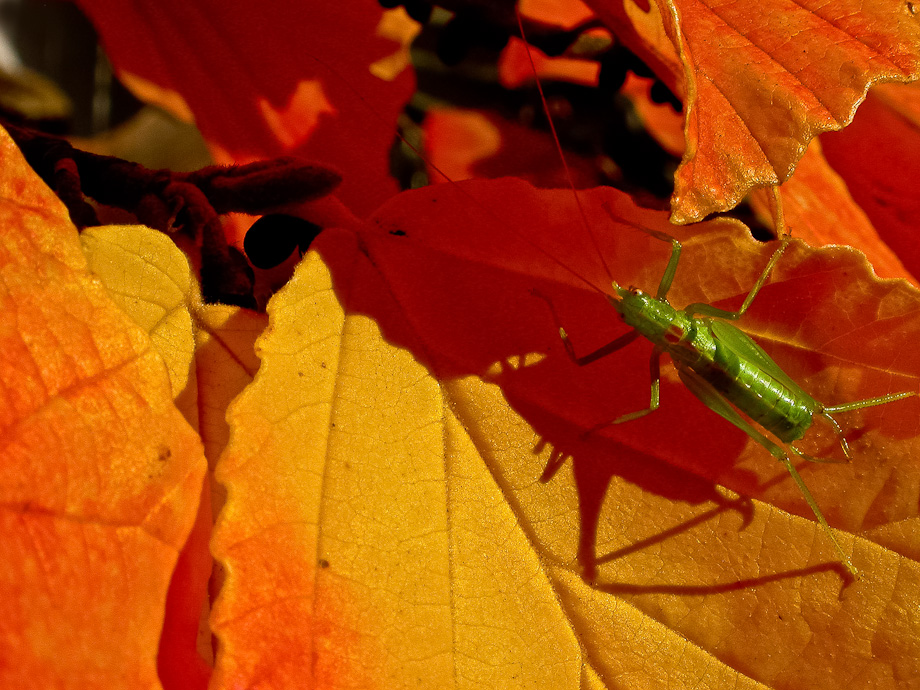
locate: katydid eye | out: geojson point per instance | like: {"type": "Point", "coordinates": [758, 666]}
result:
{"type": "Point", "coordinates": [274, 237]}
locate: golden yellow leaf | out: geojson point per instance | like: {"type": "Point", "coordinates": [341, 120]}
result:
{"type": "Point", "coordinates": [336, 536]}
{"type": "Point", "coordinates": [383, 530]}
{"type": "Point", "coordinates": [208, 348]}
{"type": "Point", "coordinates": [150, 279]}
{"type": "Point", "coordinates": [209, 352]}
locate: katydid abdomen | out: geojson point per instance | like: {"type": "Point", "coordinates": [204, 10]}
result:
{"type": "Point", "coordinates": [783, 411]}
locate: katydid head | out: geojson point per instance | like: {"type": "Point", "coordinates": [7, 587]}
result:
{"type": "Point", "coordinates": [654, 318]}
{"type": "Point", "coordinates": [621, 293]}
{"type": "Point", "coordinates": [624, 294]}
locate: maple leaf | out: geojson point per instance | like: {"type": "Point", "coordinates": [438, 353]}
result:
{"type": "Point", "coordinates": [385, 525]}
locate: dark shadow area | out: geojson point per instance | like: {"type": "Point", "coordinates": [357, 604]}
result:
{"type": "Point", "coordinates": [450, 273]}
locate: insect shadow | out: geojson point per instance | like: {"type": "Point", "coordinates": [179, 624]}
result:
{"type": "Point", "coordinates": [461, 297]}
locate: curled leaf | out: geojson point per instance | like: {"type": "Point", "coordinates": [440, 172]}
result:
{"type": "Point", "coordinates": [760, 81]}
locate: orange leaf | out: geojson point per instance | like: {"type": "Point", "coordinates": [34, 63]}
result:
{"type": "Point", "coordinates": [819, 209]}
{"type": "Point", "coordinates": [289, 615]}
{"type": "Point", "coordinates": [385, 521]}
{"type": "Point", "coordinates": [101, 475]}
{"type": "Point", "coordinates": [467, 144]}
{"type": "Point", "coordinates": [566, 14]}
{"type": "Point", "coordinates": [760, 80]}
{"type": "Point", "coordinates": [878, 157]}
{"type": "Point", "coordinates": [518, 62]}
{"type": "Point", "coordinates": [659, 118]}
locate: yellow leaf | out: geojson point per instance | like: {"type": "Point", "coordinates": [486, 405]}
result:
{"type": "Point", "coordinates": [385, 530]}
{"type": "Point", "coordinates": [337, 527]}
{"type": "Point", "coordinates": [149, 278]}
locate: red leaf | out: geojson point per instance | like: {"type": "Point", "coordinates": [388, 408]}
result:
{"type": "Point", "coordinates": [269, 78]}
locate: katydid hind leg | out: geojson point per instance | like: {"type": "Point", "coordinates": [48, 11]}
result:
{"type": "Point", "coordinates": [718, 404]}
{"type": "Point", "coordinates": [869, 402]}
{"type": "Point", "coordinates": [826, 411]}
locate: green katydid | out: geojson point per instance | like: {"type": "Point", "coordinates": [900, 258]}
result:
{"type": "Point", "coordinates": [724, 368]}
{"type": "Point", "coordinates": [721, 365]}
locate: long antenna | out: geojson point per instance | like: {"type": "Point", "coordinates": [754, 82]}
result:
{"type": "Point", "coordinates": [466, 194]}
{"type": "Point", "coordinates": [552, 129]}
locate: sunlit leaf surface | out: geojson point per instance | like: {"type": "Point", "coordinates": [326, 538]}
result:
{"type": "Point", "coordinates": [100, 474]}
{"type": "Point", "coordinates": [208, 350]}
{"type": "Point", "coordinates": [376, 518]}
{"type": "Point", "coordinates": [759, 80]}
{"type": "Point", "coordinates": [149, 278]}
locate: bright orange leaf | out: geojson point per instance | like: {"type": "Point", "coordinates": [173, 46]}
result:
{"type": "Point", "coordinates": [878, 157]}
{"type": "Point", "coordinates": [519, 62]}
{"type": "Point", "coordinates": [564, 13]}
{"type": "Point", "coordinates": [100, 474]}
{"type": "Point", "coordinates": [468, 144]}
{"type": "Point", "coordinates": [659, 118]}
{"type": "Point", "coordinates": [759, 80]}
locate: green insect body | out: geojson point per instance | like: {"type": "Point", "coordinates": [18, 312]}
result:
{"type": "Point", "coordinates": [725, 369]}
{"type": "Point", "coordinates": [711, 350]}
